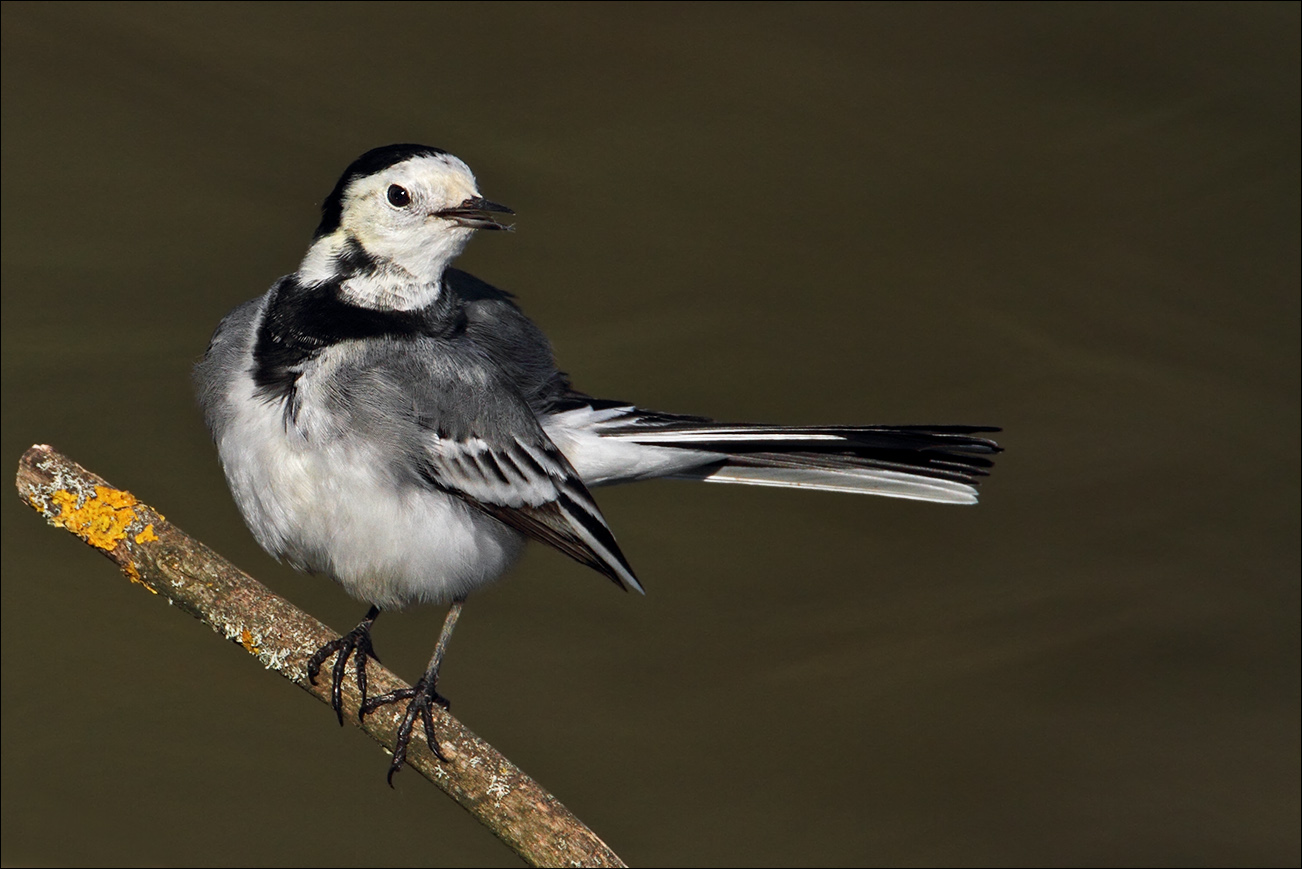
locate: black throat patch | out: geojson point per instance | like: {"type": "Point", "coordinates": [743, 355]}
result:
{"type": "Point", "coordinates": [302, 321]}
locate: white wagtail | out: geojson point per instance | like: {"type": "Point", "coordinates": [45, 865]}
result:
{"type": "Point", "coordinates": [401, 426]}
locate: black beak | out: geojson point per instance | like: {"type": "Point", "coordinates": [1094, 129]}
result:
{"type": "Point", "coordinates": [475, 213]}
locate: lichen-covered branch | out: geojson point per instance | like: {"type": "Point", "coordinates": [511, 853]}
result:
{"type": "Point", "coordinates": [165, 560]}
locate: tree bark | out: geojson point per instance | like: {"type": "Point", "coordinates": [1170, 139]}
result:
{"type": "Point", "coordinates": [165, 560]}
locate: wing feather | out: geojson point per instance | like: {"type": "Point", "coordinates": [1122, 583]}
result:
{"type": "Point", "coordinates": [525, 482]}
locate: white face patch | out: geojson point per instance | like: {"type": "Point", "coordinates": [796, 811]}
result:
{"type": "Point", "coordinates": [391, 213]}
{"type": "Point", "coordinates": [392, 216]}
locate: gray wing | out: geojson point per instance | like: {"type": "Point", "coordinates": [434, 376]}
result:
{"type": "Point", "coordinates": [462, 428]}
{"type": "Point", "coordinates": [516, 345]}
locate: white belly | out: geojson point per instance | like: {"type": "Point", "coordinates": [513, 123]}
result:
{"type": "Point", "coordinates": [336, 508]}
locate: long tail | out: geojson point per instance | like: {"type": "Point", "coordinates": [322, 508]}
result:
{"type": "Point", "coordinates": [940, 463]}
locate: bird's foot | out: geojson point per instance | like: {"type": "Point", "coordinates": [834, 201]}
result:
{"type": "Point", "coordinates": [421, 699]}
{"type": "Point", "coordinates": [355, 644]}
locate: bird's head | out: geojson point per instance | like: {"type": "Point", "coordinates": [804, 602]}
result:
{"type": "Point", "coordinates": [405, 208]}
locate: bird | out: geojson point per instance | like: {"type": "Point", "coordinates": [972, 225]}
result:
{"type": "Point", "coordinates": [402, 427]}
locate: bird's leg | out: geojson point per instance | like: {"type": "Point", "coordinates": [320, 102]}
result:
{"type": "Point", "coordinates": [420, 698]}
{"type": "Point", "coordinates": [355, 644]}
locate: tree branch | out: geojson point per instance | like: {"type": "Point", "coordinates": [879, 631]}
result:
{"type": "Point", "coordinates": [168, 562]}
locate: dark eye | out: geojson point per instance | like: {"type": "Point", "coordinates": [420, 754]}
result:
{"type": "Point", "coordinates": [398, 196]}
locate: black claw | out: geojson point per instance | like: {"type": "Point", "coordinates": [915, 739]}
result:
{"type": "Point", "coordinates": [427, 717]}
{"type": "Point", "coordinates": [420, 700]}
{"type": "Point", "coordinates": [355, 644]}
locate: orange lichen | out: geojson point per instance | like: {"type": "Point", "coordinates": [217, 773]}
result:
{"type": "Point", "coordinates": [134, 575]}
{"type": "Point", "coordinates": [102, 521]}
{"type": "Point", "coordinates": [246, 640]}
{"type": "Point", "coordinates": [146, 535]}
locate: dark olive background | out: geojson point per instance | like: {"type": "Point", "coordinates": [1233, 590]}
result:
{"type": "Point", "coordinates": [1080, 222]}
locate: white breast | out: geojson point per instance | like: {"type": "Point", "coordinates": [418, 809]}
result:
{"type": "Point", "coordinates": [328, 503]}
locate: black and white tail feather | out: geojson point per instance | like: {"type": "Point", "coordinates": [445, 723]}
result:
{"type": "Point", "coordinates": [613, 442]}
{"type": "Point", "coordinates": [941, 463]}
